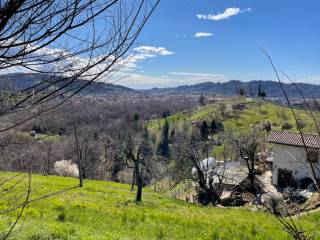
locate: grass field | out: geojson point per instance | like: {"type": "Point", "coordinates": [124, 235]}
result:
{"type": "Point", "coordinates": [105, 210]}
{"type": "Point", "coordinates": [239, 122]}
{"type": "Point", "coordinates": [245, 119]}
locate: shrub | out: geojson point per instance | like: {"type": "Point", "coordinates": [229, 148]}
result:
{"type": "Point", "coordinates": [287, 126]}
{"type": "Point", "coordinates": [61, 131]}
{"type": "Point", "coordinates": [136, 116]}
{"type": "Point", "coordinates": [239, 106]}
{"type": "Point", "coordinates": [267, 126]}
{"type": "Point", "coordinates": [61, 216]}
{"type": "Point", "coordinates": [274, 205]}
{"type": "Point", "coordinates": [37, 128]}
{"type": "Point", "coordinates": [66, 168]}
{"type": "Point", "coordinates": [301, 124]}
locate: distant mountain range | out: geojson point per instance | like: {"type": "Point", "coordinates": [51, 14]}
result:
{"type": "Point", "coordinates": [231, 88]}
{"type": "Point", "coordinates": [271, 88]}
{"type": "Point", "coordinates": [22, 81]}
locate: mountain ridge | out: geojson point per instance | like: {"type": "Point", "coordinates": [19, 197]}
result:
{"type": "Point", "coordinates": [19, 81]}
{"type": "Point", "coordinates": [231, 88]}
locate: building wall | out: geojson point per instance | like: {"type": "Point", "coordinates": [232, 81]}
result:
{"type": "Point", "coordinates": [293, 159]}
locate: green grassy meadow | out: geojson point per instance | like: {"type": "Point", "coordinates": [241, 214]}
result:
{"type": "Point", "coordinates": [238, 122]}
{"type": "Point", "coordinates": [106, 210]}
{"type": "Point", "coordinates": [256, 112]}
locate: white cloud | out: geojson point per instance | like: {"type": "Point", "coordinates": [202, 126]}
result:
{"type": "Point", "coordinates": [203, 34]}
{"type": "Point", "coordinates": [310, 80]}
{"type": "Point", "coordinates": [144, 81]}
{"type": "Point", "coordinates": [124, 66]}
{"type": "Point", "coordinates": [153, 50]}
{"type": "Point", "coordinates": [143, 53]}
{"type": "Point", "coordinates": [228, 12]}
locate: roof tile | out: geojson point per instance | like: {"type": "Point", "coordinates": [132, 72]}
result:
{"type": "Point", "coordinates": [294, 139]}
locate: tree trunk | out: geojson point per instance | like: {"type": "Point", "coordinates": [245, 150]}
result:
{"type": "Point", "coordinates": [211, 197]}
{"type": "Point", "coordinates": [139, 190]}
{"type": "Point", "coordinates": [251, 177]}
{"type": "Point", "coordinates": [213, 194]}
{"type": "Point", "coordinates": [84, 176]}
{"type": "Point", "coordinates": [79, 162]}
{"type": "Point", "coordinates": [251, 172]}
{"type": "Point", "coordinates": [80, 177]}
{"type": "Point", "coordinates": [138, 182]}
{"type": "Point", "coordinates": [133, 180]}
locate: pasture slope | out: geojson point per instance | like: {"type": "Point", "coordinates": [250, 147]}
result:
{"type": "Point", "coordinates": [254, 112]}
{"type": "Point", "coordinates": [106, 210]}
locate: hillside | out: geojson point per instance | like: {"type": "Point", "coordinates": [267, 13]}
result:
{"type": "Point", "coordinates": [21, 81]}
{"type": "Point", "coordinates": [254, 112]}
{"type": "Point", "coordinates": [105, 210]}
{"type": "Point", "coordinates": [230, 88]}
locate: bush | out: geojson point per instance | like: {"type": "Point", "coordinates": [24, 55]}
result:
{"type": "Point", "coordinates": [267, 126]}
{"type": "Point", "coordinates": [66, 168]}
{"type": "Point", "coordinates": [274, 205]}
{"type": "Point", "coordinates": [136, 116]}
{"type": "Point", "coordinates": [301, 124]}
{"type": "Point", "coordinates": [37, 128]}
{"type": "Point", "coordinates": [287, 126]}
{"type": "Point", "coordinates": [239, 106]}
{"type": "Point", "coordinates": [61, 216]}
{"type": "Point", "coordinates": [61, 131]}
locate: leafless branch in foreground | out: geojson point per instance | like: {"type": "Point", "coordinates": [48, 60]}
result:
{"type": "Point", "coordinates": [289, 225]}
{"type": "Point", "coordinates": [67, 46]}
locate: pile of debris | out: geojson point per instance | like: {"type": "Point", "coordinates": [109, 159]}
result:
{"type": "Point", "coordinates": [243, 193]}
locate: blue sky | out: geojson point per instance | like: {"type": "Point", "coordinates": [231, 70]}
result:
{"type": "Point", "coordinates": [232, 34]}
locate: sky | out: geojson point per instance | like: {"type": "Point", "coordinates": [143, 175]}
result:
{"type": "Point", "coordinates": [191, 41]}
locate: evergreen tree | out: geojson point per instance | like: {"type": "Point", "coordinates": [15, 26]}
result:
{"type": "Point", "coordinates": [261, 93]}
{"type": "Point", "coordinates": [204, 130]}
{"type": "Point", "coordinates": [242, 92]}
{"type": "Point", "coordinates": [213, 126]}
{"type": "Point", "coordinates": [165, 114]}
{"type": "Point", "coordinates": [147, 149]}
{"type": "Point", "coordinates": [163, 148]}
{"type": "Point", "coordinates": [202, 100]}
{"type": "Point", "coordinates": [216, 126]}
{"type": "Point", "coordinates": [136, 116]}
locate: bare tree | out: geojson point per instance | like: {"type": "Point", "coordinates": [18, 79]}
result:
{"type": "Point", "coordinates": [296, 232]}
{"type": "Point", "coordinates": [81, 148]}
{"type": "Point", "coordinates": [313, 167]}
{"type": "Point", "coordinates": [139, 155]}
{"type": "Point", "coordinates": [247, 146]}
{"type": "Point", "coordinates": [193, 162]}
{"type": "Point", "coordinates": [65, 42]}
{"type": "Point", "coordinates": [69, 44]}
{"type": "Point", "coordinates": [248, 153]}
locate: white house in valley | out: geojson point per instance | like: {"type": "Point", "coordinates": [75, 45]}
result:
{"type": "Point", "coordinates": [291, 159]}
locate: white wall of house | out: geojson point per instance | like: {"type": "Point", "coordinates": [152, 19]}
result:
{"type": "Point", "coordinates": [290, 158]}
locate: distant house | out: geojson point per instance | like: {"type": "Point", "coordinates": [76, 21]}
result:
{"type": "Point", "coordinates": [291, 157]}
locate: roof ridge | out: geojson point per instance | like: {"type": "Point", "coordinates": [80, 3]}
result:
{"type": "Point", "coordinates": [294, 139]}
{"type": "Point", "coordinates": [297, 133]}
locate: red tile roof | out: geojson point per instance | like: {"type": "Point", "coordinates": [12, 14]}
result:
{"type": "Point", "coordinates": [294, 139]}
